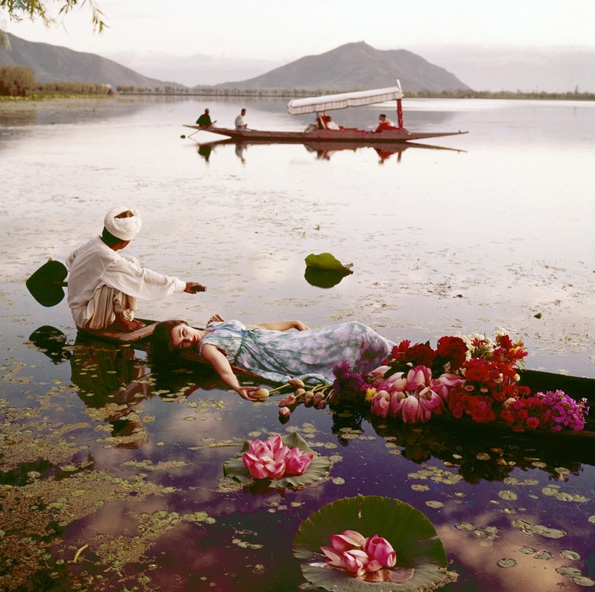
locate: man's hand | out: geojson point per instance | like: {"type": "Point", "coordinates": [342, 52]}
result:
{"type": "Point", "coordinates": [194, 287]}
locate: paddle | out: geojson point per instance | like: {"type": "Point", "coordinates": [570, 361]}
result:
{"type": "Point", "coordinates": [46, 285]}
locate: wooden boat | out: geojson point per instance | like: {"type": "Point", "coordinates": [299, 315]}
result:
{"type": "Point", "coordinates": [321, 133]}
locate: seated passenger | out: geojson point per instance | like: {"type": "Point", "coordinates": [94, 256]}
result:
{"type": "Point", "coordinates": [384, 123]}
{"type": "Point", "coordinates": [330, 124]}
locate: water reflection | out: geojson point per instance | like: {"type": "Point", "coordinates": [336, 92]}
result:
{"type": "Point", "coordinates": [321, 150]}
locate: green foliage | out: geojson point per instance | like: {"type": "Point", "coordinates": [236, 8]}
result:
{"type": "Point", "coordinates": [39, 9]}
{"type": "Point", "coordinates": [16, 81]}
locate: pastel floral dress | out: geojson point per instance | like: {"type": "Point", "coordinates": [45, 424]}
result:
{"type": "Point", "coordinates": [309, 355]}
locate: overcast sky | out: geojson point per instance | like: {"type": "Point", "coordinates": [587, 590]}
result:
{"type": "Point", "coordinates": [280, 31]}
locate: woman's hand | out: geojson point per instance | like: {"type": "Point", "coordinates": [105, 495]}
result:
{"type": "Point", "coordinates": [244, 392]}
{"type": "Point", "coordinates": [300, 326]}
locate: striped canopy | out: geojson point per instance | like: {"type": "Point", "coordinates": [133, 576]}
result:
{"type": "Point", "coordinates": [344, 100]}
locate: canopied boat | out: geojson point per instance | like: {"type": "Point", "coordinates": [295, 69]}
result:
{"type": "Point", "coordinates": [324, 130]}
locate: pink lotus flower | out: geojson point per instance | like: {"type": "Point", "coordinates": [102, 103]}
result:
{"type": "Point", "coordinates": [418, 378]}
{"type": "Point", "coordinates": [380, 553]}
{"type": "Point", "coordinates": [381, 403]}
{"type": "Point", "coordinates": [356, 561]}
{"type": "Point", "coordinates": [271, 459]}
{"type": "Point", "coordinates": [396, 403]}
{"type": "Point", "coordinates": [297, 462]}
{"type": "Point", "coordinates": [395, 382]}
{"type": "Point", "coordinates": [410, 409]}
{"type": "Point", "coordinates": [357, 555]}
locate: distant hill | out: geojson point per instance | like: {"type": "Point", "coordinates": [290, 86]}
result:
{"type": "Point", "coordinates": [355, 66]}
{"type": "Point", "coordinates": [52, 63]}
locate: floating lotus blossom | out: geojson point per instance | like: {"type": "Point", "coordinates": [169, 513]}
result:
{"type": "Point", "coordinates": [359, 555]}
{"type": "Point", "coordinates": [271, 459]}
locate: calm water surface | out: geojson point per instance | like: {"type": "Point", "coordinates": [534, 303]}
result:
{"type": "Point", "coordinates": [493, 228]}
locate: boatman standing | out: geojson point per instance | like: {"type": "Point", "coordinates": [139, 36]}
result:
{"type": "Point", "coordinates": [103, 286]}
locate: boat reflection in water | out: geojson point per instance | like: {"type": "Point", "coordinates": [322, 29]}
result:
{"type": "Point", "coordinates": [322, 150]}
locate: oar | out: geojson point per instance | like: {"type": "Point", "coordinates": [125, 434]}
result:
{"type": "Point", "coordinates": [46, 285]}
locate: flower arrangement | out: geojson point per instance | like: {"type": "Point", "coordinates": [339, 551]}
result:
{"type": "Point", "coordinates": [271, 459]}
{"type": "Point", "coordinates": [552, 410]}
{"type": "Point", "coordinates": [473, 376]}
{"type": "Point", "coordinates": [358, 555]}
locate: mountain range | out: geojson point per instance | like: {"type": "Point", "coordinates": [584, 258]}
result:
{"type": "Point", "coordinates": [52, 63]}
{"type": "Point", "coordinates": [354, 66]}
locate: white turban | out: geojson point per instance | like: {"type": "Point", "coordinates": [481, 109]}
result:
{"type": "Point", "coordinates": [123, 223]}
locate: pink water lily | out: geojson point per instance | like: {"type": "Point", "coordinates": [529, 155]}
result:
{"type": "Point", "coordinates": [381, 403]}
{"type": "Point", "coordinates": [409, 410]}
{"type": "Point", "coordinates": [359, 555]}
{"type": "Point", "coordinates": [271, 459]}
{"type": "Point", "coordinates": [381, 554]}
{"type": "Point", "coordinates": [348, 539]}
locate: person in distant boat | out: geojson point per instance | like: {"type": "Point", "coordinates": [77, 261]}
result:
{"type": "Point", "coordinates": [205, 119]}
{"type": "Point", "coordinates": [384, 123]}
{"type": "Point", "coordinates": [330, 124]}
{"type": "Point", "coordinates": [240, 124]}
{"type": "Point", "coordinates": [103, 286]}
{"type": "Point", "coordinates": [273, 351]}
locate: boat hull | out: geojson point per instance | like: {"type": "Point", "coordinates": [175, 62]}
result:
{"type": "Point", "coordinates": [348, 135]}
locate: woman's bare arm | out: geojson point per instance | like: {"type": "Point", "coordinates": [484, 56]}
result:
{"type": "Point", "coordinates": [280, 326]}
{"type": "Point", "coordinates": [222, 366]}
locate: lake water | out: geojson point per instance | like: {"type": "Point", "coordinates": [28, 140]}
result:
{"type": "Point", "coordinates": [494, 228]}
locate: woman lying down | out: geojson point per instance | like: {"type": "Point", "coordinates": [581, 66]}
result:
{"type": "Point", "coordinates": [275, 351]}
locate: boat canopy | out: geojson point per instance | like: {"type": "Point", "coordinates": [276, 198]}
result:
{"type": "Point", "coordinates": [344, 100]}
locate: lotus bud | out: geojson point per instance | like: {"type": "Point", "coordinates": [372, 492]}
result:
{"type": "Point", "coordinates": [308, 398]}
{"type": "Point", "coordinates": [317, 398]}
{"type": "Point", "coordinates": [260, 394]}
{"type": "Point", "coordinates": [287, 400]}
{"type": "Point", "coordinates": [300, 392]}
{"type": "Point", "coordinates": [322, 404]}
{"type": "Point", "coordinates": [296, 382]}
{"type": "Point", "coordinates": [284, 411]}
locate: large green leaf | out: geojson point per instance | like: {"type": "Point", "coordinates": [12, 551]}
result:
{"type": "Point", "coordinates": [327, 261]}
{"type": "Point", "coordinates": [317, 470]}
{"type": "Point", "coordinates": [421, 559]}
{"type": "Point", "coordinates": [46, 285]}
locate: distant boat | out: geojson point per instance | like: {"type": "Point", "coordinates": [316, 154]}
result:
{"type": "Point", "coordinates": [321, 132]}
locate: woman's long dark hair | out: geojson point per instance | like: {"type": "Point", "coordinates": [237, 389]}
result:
{"type": "Point", "coordinates": [162, 353]}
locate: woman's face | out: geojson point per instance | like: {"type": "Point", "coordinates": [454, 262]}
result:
{"type": "Point", "coordinates": [183, 336]}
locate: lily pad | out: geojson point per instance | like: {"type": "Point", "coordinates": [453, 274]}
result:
{"type": "Point", "coordinates": [421, 560]}
{"type": "Point", "coordinates": [328, 262]}
{"type": "Point", "coordinates": [318, 469]}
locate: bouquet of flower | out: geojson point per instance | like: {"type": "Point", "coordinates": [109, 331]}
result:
{"type": "Point", "coordinates": [472, 376]}
{"type": "Point", "coordinates": [552, 410]}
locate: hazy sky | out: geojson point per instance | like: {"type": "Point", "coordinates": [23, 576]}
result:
{"type": "Point", "coordinates": [286, 30]}
{"type": "Point", "coordinates": [280, 31]}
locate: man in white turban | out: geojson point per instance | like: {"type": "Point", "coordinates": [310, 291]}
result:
{"type": "Point", "coordinates": [103, 286]}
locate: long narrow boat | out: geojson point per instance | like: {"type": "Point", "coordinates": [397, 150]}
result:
{"type": "Point", "coordinates": [576, 386]}
{"type": "Point", "coordinates": [321, 133]}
